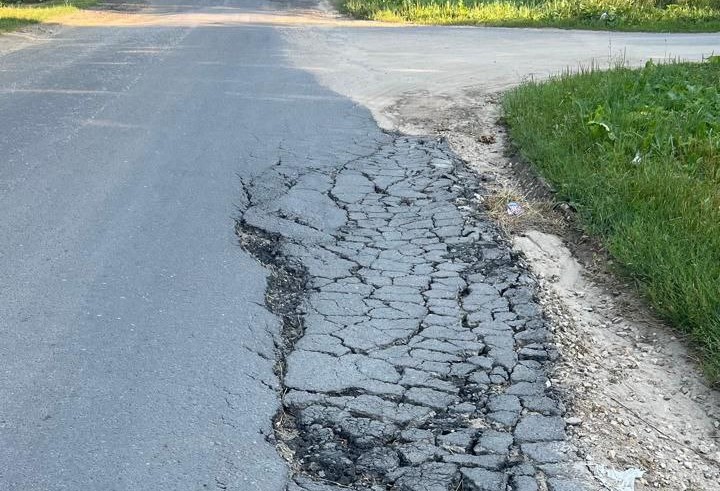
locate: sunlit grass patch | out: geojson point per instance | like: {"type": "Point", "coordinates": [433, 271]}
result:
{"type": "Point", "coordinates": [637, 151]}
{"type": "Point", "coordinates": [14, 15]}
{"type": "Point", "coordinates": [650, 15]}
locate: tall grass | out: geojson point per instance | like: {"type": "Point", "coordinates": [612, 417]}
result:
{"type": "Point", "coordinates": [651, 15]}
{"type": "Point", "coordinates": [15, 15]}
{"type": "Point", "coordinates": [638, 152]}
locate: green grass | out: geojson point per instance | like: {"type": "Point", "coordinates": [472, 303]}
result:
{"type": "Point", "coordinates": [637, 151]}
{"type": "Point", "coordinates": [13, 16]}
{"type": "Point", "coordinates": [628, 15]}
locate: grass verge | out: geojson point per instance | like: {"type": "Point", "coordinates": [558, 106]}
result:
{"type": "Point", "coordinates": [637, 152]}
{"type": "Point", "coordinates": [626, 15]}
{"type": "Point", "coordinates": [13, 16]}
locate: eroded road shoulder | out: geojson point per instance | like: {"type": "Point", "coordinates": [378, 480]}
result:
{"type": "Point", "coordinates": [415, 351]}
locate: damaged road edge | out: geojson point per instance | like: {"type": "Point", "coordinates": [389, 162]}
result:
{"type": "Point", "coordinates": [286, 283]}
{"type": "Point", "coordinates": [286, 287]}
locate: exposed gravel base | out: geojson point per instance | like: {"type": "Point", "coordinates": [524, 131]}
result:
{"type": "Point", "coordinates": [417, 355]}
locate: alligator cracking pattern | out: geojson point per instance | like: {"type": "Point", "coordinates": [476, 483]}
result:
{"type": "Point", "coordinates": [421, 365]}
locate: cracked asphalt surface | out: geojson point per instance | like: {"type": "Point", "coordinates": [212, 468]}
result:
{"type": "Point", "coordinates": [421, 363]}
{"type": "Point", "coordinates": [375, 329]}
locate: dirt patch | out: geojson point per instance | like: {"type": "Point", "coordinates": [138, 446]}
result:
{"type": "Point", "coordinates": [286, 287]}
{"type": "Point", "coordinates": [636, 396]}
{"type": "Point", "coordinates": [136, 14]}
{"type": "Point", "coordinates": [634, 387]}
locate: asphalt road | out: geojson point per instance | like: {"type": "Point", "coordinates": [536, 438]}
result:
{"type": "Point", "coordinates": [135, 349]}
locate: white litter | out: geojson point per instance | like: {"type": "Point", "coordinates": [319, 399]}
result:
{"type": "Point", "coordinates": [514, 209]}
{"type": "Point", "coordinates": [617, 480]}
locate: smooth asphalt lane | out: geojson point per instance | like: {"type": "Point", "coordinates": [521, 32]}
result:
{"type": "Point", "coordinates": [135, 349]}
